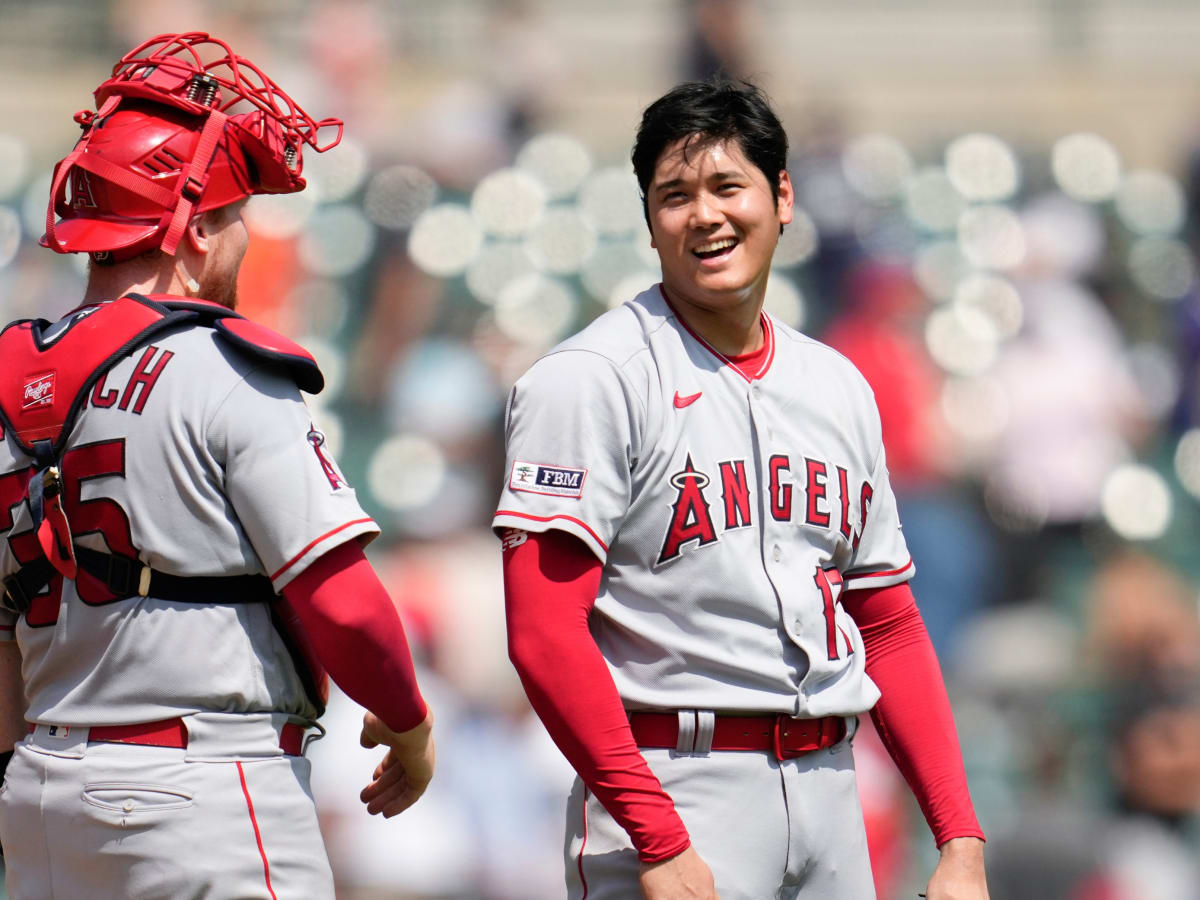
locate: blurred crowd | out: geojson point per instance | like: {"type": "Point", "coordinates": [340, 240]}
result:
{"type": "Point", "coordinates": [1028, 316]}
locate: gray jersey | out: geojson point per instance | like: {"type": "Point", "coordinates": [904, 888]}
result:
{"type": "Point", "coordinates": [199, 461]}
{"type": "Point", "coordinates": [730, 512]}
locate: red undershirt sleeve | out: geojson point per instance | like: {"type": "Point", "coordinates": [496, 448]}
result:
{"type": "Point", "coordinates": [913, 716]}
{"type": "Point", "coordinates": [550, 584]}
{"type": "Point", "coordinates": [354, 631]}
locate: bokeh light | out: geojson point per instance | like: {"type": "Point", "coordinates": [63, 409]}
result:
{"type": "Point", "coordinates": [939, 266]}
{"type": "Point", "coordinates": [611, 200]}
{"type": "Point", "coordinates": [798, 243]}
{"type": "Point", "coordinates": [1158, 378]}
{"type": "Point", "coordinates": [279, 216]}
{"type": "Point", "coordinates": [632, 285]}
{"type": "Point", "coordinates": [608, 266]}
{"type": "Point", "coordinates": [1086, 167]}
{"type": "Point", "coordinates": [982, 167]}
{"type": "Point", "coordinates": [1163, 268]}
{"type": "Point", "coordinates": [1151, 203]}
{"type": "Point", "coordinates": [995, 298]}
{"type": "Point", "coordinates": [508, 203]}
{"type": "Point", "coordinates": [562, 241]}
{"type": "Point", "coordinates": [1187, 461]}
{"type": "Point", "coordinates": [991, 237]}
{"type": "Point", "coordinates": [961, 340]}
{"type": "Point", "coordinates": [559, 161]}
{"type": "Point", "coordinates": [785, 301]}
{"type": "Point", "coordinates": [932, 201]}
{"type": "Point", "coordinates": [444, 239]}
{"type": "Point", "coordinates": [397, 195]}
{"type": "Point", "coordinates": [877, 166]}
{"type": "Point", "coordinates": [406, 471]}
{"type": "Point", "coordinates": [336, 240]}
{"type": "Point", "coordinates": [535, 310]}
{"type": "Point", "coordinates": [495, 266]}
{"type": "Point", "coordinates": [337, 175]}
{"type": "Point", "coordinates": [1136, 502]}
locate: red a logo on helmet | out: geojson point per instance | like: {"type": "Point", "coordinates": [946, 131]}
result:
{"type": "Point", "coordinates": [81, 190]}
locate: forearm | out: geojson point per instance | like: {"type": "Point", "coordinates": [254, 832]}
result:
{"type": "Point", "coordinates": [356, 633]}
{"type": "Point", "coordinates": [913, 716]}
{"type": "Point", "coordinates": [550, 584]}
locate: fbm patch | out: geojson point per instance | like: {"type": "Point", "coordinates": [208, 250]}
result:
{"type": "Point", "coordinates": [557, 481]}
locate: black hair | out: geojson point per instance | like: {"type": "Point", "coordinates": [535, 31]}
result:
{"type": "Point", "coordinates": [705, 111]}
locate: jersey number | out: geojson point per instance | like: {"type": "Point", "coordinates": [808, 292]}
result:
{"type": "Point", "coordinates": [827, 580]}
{"type": "Point", "coordinates": [102, 516]}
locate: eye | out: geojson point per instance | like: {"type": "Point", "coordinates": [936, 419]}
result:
{"type": "Point", "coordinates": [728, 187]}
{"type": "Point", "coordinates": [672, 197]}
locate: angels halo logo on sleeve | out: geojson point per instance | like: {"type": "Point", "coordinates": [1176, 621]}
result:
{"type": "Point", "coordinates": [539, 478]}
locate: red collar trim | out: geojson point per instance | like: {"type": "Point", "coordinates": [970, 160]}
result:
{"type": "Point", "coordinates": [751, 366]}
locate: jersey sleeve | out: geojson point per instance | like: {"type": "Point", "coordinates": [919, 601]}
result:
{"type": "Point", "coordinates": [572, 431]}
{"type": "Point", "coordinates": [285, 488]}
{"type": "Point", "coordinates": [880, 557]}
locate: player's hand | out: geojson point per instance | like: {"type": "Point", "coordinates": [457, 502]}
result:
{"type": "Point", "coordinates": [959, 874]}
{"type": "Point", "coordinates": [405, 772]}
{"type": "Point", "coordinates": [682, 877]}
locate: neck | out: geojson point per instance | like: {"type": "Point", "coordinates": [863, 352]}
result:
{"type": "Point", "coordinates": [133, 277]}
{"type": "Point", "coordinates": [733, 332]}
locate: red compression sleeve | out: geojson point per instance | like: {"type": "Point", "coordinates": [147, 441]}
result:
{"type": "Point", "coordinates": [913, 716]}
{"type": "Point", "coordinates": [356, 634]}
{"type": "Point", "coordinates": [550, 583]}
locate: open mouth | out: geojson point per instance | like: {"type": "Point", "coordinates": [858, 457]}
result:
{"type": "Point", "coordinates": [715, 249]}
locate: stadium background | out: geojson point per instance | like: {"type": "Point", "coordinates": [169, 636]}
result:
{"type": "Point", "coordinates": [999, 221]}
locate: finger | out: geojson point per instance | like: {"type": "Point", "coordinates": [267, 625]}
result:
{"type": "Point", "coordinates": [387, 798]}
{"type": "Point", "coordinates": [383, 780]}
{"type": "Point", "coordinates": [366, 740]}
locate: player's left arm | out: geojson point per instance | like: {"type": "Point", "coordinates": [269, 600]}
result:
{"type": "Point", "coordinates": [916, 725]}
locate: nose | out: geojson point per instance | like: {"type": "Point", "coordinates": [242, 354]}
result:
{"type": "Point", "coordinates": [705, 212]}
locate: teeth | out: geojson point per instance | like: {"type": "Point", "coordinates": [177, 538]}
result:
{"type": "Point", "coordinates": [715, 246]}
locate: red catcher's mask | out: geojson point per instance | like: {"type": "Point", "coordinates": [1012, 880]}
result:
{"type": "Point", "coordinates": [163, 146]}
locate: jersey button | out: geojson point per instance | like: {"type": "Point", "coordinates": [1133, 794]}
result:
{"type": "Point", "coordinates": [127, 806]}
{"type": "Point", "coordinates": [776, 553]}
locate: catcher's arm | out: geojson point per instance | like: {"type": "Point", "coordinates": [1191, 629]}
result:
{"type": "Point", "coordinates": [356, 634]}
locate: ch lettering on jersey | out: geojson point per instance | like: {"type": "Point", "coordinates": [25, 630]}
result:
{"type": "Point", "coordinates": [137, 389]}
{"type": "Point", "coordinates": [692, 517]}
{"type": "Point", "coordinates": [39, 391]}
{"type": "Point", "coordinates": [538, 478]}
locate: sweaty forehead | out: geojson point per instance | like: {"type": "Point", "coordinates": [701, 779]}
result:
{"type": "Point", "coordinates": [698, 156]}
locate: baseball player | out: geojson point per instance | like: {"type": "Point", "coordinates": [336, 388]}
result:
{"type": "Point", "coordinates": [181, 556]}
{"type": "Point", "coordinates": [704, 570]}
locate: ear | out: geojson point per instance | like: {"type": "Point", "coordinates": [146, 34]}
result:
{"type": "Point", "coordinates": [197, 233]}
{"type": "Point", "coordinates": [787, 198]}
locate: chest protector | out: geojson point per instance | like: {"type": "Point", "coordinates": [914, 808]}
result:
{"type": "Point", "coordinates": [48, 372]}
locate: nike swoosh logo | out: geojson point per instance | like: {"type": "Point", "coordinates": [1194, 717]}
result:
{"type": "Point", "coordinates": [681, 402]}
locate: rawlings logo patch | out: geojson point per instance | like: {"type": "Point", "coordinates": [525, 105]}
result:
{"type": "Point", "coordinates": [38, 392]}
{"type": "Point", "coordinates": [557, 481]}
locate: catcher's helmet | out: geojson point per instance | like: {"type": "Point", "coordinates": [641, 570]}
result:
{"type": "Point", "coordinates": [162, 147]}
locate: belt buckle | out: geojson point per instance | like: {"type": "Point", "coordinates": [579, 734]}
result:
{"type": "Point", "coordinates": [778, 733]}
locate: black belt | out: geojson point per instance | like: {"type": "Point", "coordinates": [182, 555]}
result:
{"type": "Point", "coordinates": [126, 577]}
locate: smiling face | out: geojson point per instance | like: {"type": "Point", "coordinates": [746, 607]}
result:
{"type": "Point", "coordinates": [715, 223]}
